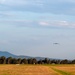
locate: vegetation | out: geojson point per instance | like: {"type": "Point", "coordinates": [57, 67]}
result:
{"type": "Point", "coordinates": [10, 60]}
{"type": "Point", "coordinates": [25, 70]}
{"type": "Point", "coordinates": [17, 69]}
{"type": "Point", "coordinates": [61, 72]}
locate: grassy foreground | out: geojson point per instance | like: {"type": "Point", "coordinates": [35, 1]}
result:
{"type": "Point", "coordinates": [37, 69]}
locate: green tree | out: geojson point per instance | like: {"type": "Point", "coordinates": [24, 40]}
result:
{"type": "Point", "coordinates": [19, 60]}
{"type": "Point", "coordinates": [14, 61]}
{"type": "Point", "coordinates": [73, 61]}
{"type": "Point", "coordinates": [34, 61]}
{"type": "Point", "coordinates": [24, 61]}
{"type": "Point", "coordinates": [9, 60]}
{"type": "Point", "coordinates": [64, 61]}
{"type": "Point", "coordinates": [3, 60]}
{"type": "Point", "coordinates": [30, 61]}
{"type": "Point", "coordinates": [46, 61]}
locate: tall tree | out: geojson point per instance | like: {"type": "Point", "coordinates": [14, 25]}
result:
{"type": "Point", "coordinates": [3, 60]}
{"type": "Point", "coordinates": [73, 61]}
{"type": "Point", "coordinates": [65, 61]}
{"type": "Point", "coordinates": [46, 61]}
{"type": "Point", "coordinates": [9, 60]}
{"type": "Point", "coordinates": [14, 61]}
{"type": "Point", "coordinates": [19, 60]}
{"type": "Point", "coordinates": [30, 61]}
{"type": "Point", "coordinates": [34, 61]}
{"type": "Point", "coordinates": [24, 61]}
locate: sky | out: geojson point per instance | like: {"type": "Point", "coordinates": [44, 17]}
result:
{"type": "Point", "coordinates": [44, 28]}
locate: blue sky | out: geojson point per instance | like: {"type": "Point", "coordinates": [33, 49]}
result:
{"type": "Point", "coordinates": [32, 27]}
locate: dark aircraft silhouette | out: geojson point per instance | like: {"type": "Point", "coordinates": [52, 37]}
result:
{"type": "Point", "coordinates": [56, 43]}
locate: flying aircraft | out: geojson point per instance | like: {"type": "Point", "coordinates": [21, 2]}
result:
{"type": "Point", "coordinates": [56, 43]}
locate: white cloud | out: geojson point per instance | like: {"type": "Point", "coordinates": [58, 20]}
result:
{"type": "Point", "coordinates": [57, 24]}
{"type": "Point", "coordinates": [62, 23]}
{"type": "Point", "coordinates": [29, 23]}
{"type": "Point", "coordinates": [42, 23]}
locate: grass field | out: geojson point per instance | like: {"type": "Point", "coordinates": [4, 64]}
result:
{"type": "Point", "coordinates": [37, 70]}
{"type": "Point", "coordinates": [65, 69]}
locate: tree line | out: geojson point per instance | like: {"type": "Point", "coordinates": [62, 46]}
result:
{"type": "Point", "coordinates": [10, 60]}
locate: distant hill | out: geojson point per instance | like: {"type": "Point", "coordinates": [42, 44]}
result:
{"type": "Point", "coordinates": [7, 54]}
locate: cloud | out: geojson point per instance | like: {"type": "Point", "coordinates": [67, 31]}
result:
{"type": "Point", "coordinates": [31, 23]}
{"type": "Point", "coordinates": [66, 7]}
{"type": "Point", "coordinates": [62, 23]}
{"type": "Point", "coordinates": [55, 23]}
{"type": "Point", "coordinates": [42, 23]}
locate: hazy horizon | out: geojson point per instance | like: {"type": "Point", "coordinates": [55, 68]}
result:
{"type": "Point", "coordinates": [38, 28]}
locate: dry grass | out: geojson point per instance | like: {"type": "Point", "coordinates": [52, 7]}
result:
{"type": "Point", "coordinates": [66, 68]}
{"type": "Point", "coordinates": [36, 69]}
{"type": "Point", "coordinates": [26, 70]}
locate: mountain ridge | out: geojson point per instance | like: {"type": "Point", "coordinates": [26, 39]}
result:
{"type": "Point", "coordinates": [8, 54]}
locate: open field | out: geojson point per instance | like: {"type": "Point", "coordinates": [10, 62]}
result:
{"type": "Point", "coordinates": [65, 69]}
{"type": "Point", "coordinates": [37, 70]}
{"type": "Point", "coordinates": [25, 70]}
